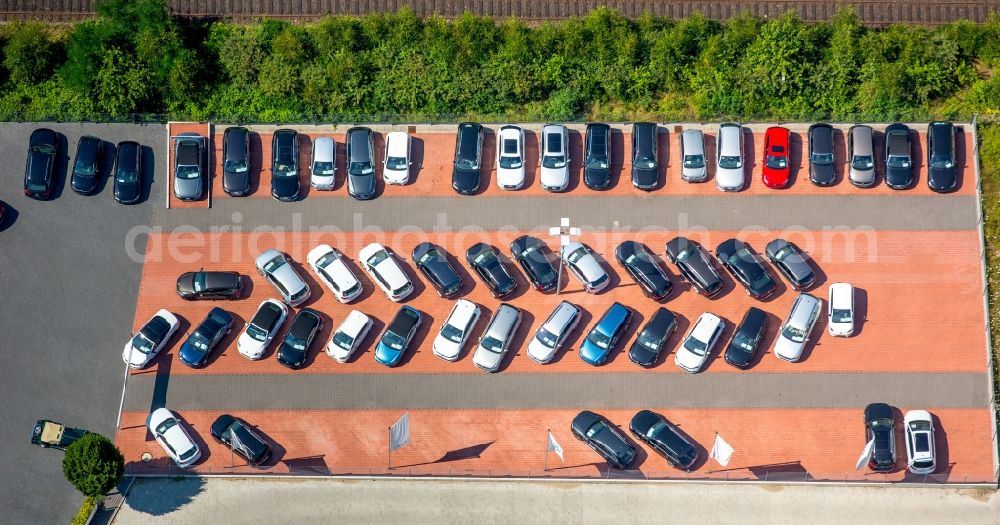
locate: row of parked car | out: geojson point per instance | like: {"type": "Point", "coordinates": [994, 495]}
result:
{"type": "Point", "coordinates": [43, 151]}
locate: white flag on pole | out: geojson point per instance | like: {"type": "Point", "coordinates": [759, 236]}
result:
{"type": "Point", "coordinates": [721, 451]}
{"type": "Point", "coordinates": [399, 433]}
{"type": "Point", "coordinates": [555, 447]}
{"type": "Point", "coordinates": [866, 454]}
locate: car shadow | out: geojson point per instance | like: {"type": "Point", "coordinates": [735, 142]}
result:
{"type": "Point", "coordinates": [749, 158]}
{"type": "Point", "coordinates": [248, 286]}
{"type": "Point", "coordinates": [487, 161]}
{"type": "Point", "coordinates": [672, 342]}
{"type": "Point", "coordinates": [860, 310]}
{"type": "Point", "coordinates": [878, 157]}
{"type": "Point", "coordinates": [621, 347]}
{"type": "Point", "coordinates": [278, 452]}
{"type": "Point", "coordinates": [305, 141]}
{"type": "Point", "coordinates": [161, 381]}
{"type": "Point", "coordinates": [417, 155]}
{"type": "Point", "coordinates": [779, 285]}
{"type": "Point", "coordinates": [256, 169]}
{"type": "Point", "coordinates": [228, 342]}
{"type": "Point", "coordinates": [795, 145]}
{"type": "Point", "coordinates": [839, 152]}
{"type": "Point", "coordinates": [316, 289]}
{"type": "Point", "coordinates": [426, 325]}
{"type": "Point", "coordinates": [702, 452]}
{"type": "Point", "coordinates": [318, 345]}
{"type": "Point", "coordinates": [663, 157]}
{"type": "Point", "coordinates": [60, 166]}
{"type": "Point", "coordinates": [367, 345]}
{"type": "Point", "coordinates": [105, 166]}
{"type": "Point", "coordinates": [767, 340]}
{"type": "Point", "coordinates": [468, 281]}
{"type": "Point", "coordinates": [531, 154]}
{"type": "Point", "coordinates": [575, 151]}
{"type": "Point", "coordinates": [719, 350]}
{"type": "Point", "coordinates": [514, 269]}
{"type": "Point", "coordinates": [616, 158]}
{"type": "Point", "coordinates": [367, 287]}
{"type": "Point", "coordinates": [195, 435]}
{"type": "Point", "coordinates": [961, 157]}
{"type": "Point", "coordinates": [711, 160]}
{"type": "Point", "coordinates": [412, 274]}
{"type": "Point", "coordinates": [816, 334]}
{"type": "Point", "coordinates": [147, 175]}
{"type": "Point", "coordinates": [10, 216]}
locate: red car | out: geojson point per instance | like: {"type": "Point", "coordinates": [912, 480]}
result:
{"type": "Point", "coordinates": [776, 169]}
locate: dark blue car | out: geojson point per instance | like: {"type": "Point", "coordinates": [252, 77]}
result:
{"type": "Point", "coordinates": [199, 345]}
{"type": "Point", "coordinates": [605, 334]}
{"type": "Point", "coordinates": [398, 336]}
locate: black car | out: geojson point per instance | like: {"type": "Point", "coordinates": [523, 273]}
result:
{"type": "Point", "coordinates": [898, 157]}
{"type": "Point", "coordinates": [236, 161]}
{"type": "Point", "coordinates": [294, 348]}
{"type": "Point", "coordinates": [644, 164]}
{"type": "Point", "coordinates": [737, 257]}
{"type": "Point", "coordinates": [199, 345]}
{"type": "Point", "coordinates": [128, 172]}
{"type": "Point", "coordinates": [647, 346]}
{"type": "Point", "coordinates": [941, 157]}
{"type": "Point", "coordinates": [49, 434]}
{"type": "Point", "coordinates": [485, 261]}
{"type": "Point", "coordinates": [43, 146]}
{"type": "Point", "coordinates": [209, 285]}
{"type": "Point", "coordinates": [468, 158]}
{"type": "Point", "coordinates": [597, 157]}
{"type": "Point", "coordinates": [239, 436]}
{"type": "Point", "coordinates": [665, 438]}
{"type": "Point", "coordinates": [638, 261]}
{"type": "Point", "coordinates": [821, 170]}
{"type": "Point", "coordinates": [880, 427]}
{"type": "Point", "coordinates": [792, 263]}
{"type": "Point", "coordinates": [748, 334]}
{"type": "Point", "coordinates": [433, 263]}
{"type": "Point", "coordinates": [86, 169]}
{"type": "Point", "coordinates": [695, 265]}
{"type": "Point", "coordinates": [285, 165]}
{"type": "Point", "coordinates": [602, 436]}
{"type": "Point", "coordinates": [360, 145]}
{"type": "Point", "coordinates": [536, 260]}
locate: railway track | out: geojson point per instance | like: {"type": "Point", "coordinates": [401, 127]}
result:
{"type": "Point", "coordinates": [871, 12]}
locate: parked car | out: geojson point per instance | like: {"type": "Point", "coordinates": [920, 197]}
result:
{"type": "Point", "coordinates": [361, 163]}
{"type": "Point", "coordinates": [294, 349]}
{"type": "Point", "coordinates": [456, 329]}
{"type": "Point", "coordinates": [584, 266]}
{"type": "Point", "coordinates": [150, 339]}
{"type": "Point", "coordinates": [941, 161]}
{"type": "Point", "coordinates": [398, 336]}
{"type": "Point", "coordinates": [821, 155]}
{"type": "Point", "coordinates": [346, 339]}
{"type": "Point", "coordinates": [537, 262]}
{"type": "Point", "coordinates": [898, 157]}
{"type": "Point", "coordinates": [385, 271]}
{"type": "Point", "coordinates": [695, 265]}
{"type": "Point", "coordinates": [918, 427]}
{"type": "Point", "coordinates": [434, 264]}
{"type": "Point", "coordinates": [278, 271]}
{"type": "Point", "coordinates": [746, 339]}
{"type": "Point", "coordinates": [553, 157]}
{"type": "Point", "coordinates": [468, 158]}
{"type": "Point", "coordinates": [49, 434]}
{"type": "Point", "coordinates": [323, 166]}
{"type": "Point", "coordinates": [329, 264]}
{"type": "Point", "coordinates": [285, 165]}
{"type": "Point", "coordinates": [737, 257]}
{"type": "Point", "coordinates": [496, 338]}
{"type": "Point", "coordinates": [638, 261]}
{"type": "Point", "coordinates": [693, 165]}
{"type": "Point", "coordinates": [199, 345]}
{"type": "Point", "coordinates": [792, 263]}
{"type": "Point", "coordinates": [604, 438]}
{"type": "Point", "coordinates": [648, 345]}
{"type": "Point", "coordinates": [236, 161]}
{"type": "Point", "coordinates": [697, 346]}
{"type": "Point", "coordinates": [240, 436]}
{"type": "Point", "coordinates": [776, 171]}
{"type": "Point", "coordinates": [553, 332]}
{"type": "Point", "coordinates": [510, 157]}
{"type": "Point", "coordinates": [485, 261]}
{"type": "Point", "coordinates": [396, 163]}
{"type": "Point", "coordinates": [795, 331]}
{"type": "Point", "coordinates": [43, 147]}
{"type": "Point", "coordinates": [189, 166]}
{"type": "Point", "coordinates": [645, 166]}
{"type": "Point", "coordinates": [169, 432]}
{"type": "Point", "coordinates": [840, 306]}
{"type": "Point", "coordinates": [209, 285]}
{"type": "Point", "coordinates": [665, 438]}
{"type": "Point", "coordinates": [729, 157]}
{"type": "Point", "coordinates": [880, 427]}
{"type": "Point", "coordinates": [861, 152]}
{"type": "Point", "coordinates": [86, 165]}
{"type": "Point", "coordinates": [262, 328]}
{"type": "Point", "coordinates": [597, 156]}
{"type": "Point", "coordinates": [604, 336]}
{"type": "Point", "coordinates": [128, 172]}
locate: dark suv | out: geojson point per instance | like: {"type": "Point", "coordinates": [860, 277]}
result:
{"type": "Point", "coordinates": [644, 164]}
{"type": "Point", "coordinates": [898, 157]}
{"type": "Point", "coordinates": [941, 157]}
{"type": "Point", "coordinates": [361, 163]}
{"type": "Point", "coordinates": [654, 430]}
{"type": "Point", "coordinates": [236, 161]}
{"type": "Point", "coordinates": [536, 260]}
{"type": "Point", "coordinates": [285, 165]}
{"type": "Point", "coordinates": [597, 157]}
{"type": "Point", "coordinates": [880, 428]}
{"type": "Point", "coordinates": [468, 158]}
{"type": "Point", "coordinates": [43, 146]}
{"type": "Point", "coordinates": [747, 337]}
{"type": "Point", "coordinates": [433, 263]}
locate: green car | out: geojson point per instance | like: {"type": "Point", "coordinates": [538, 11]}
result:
{"type": "Point", "coordinates": [49, 434]}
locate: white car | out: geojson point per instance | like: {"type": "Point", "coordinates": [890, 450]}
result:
{"type": "Point", "coordinates": [553, 332]}
{"type": "Point", "coordinates": [262, 328]}
{"type": "Point", "coordinates": [150, 339]}
{"type": "Point", "coordinates": [396, 164]}
{"type": "Point", "coordinates": [840, 310]}
{"type": "Point", "coordinates": [323, 169]}
{"type": "Point", "coordinates": [170, 434]}
{"type": "Point", "coordinates": [348, 336]}
{"type": "Point", "coordinates": [456, 329]}
{"type": "Point", "coordinates": [919, 435]}
{"type": "Point", "coordinates": [510, 157]}
{"type": "Point", "coordinates": [553, 157]}
{"type": "Point", "coordinates": [729, 157]}
{"type": "Point", "coordinates": [698, 344]}
{"type": "Point", "coordinates": [584, 266]}
{"type": "Point", "coordinates": [795, 331]}
{"type": "Point", "coordinates": [385, 271]}
{"type": "Point", "coordinates": [278, 271]}
{"type": "Point", "coordinates": [329, 265]}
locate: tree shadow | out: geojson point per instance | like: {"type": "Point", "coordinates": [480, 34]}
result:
{"type": "Point", "coordinates": [471, 452]}
{"type": "Point", "coordinates": [162, 495]}
{"type": "Point", "coordinates": [10, 215]}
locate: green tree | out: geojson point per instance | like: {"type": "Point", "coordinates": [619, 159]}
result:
{"type": "Point", "coordinates": [121, 83]}
{"type": "Point", "coordinates": [93, 464]}
{"type": "Point", "coordinates": [29, 54]}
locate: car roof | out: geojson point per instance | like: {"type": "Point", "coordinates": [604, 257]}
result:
{"type": "Point", "coordinates": [396, 144]}
{"type": "Point", "coordinates": [694, 142]}
{"type": "Point", "coordinates": [729, 139]}
{"type": "Point", "coordinates": [705, 326]}
{"type": "Point", "coordinates": [235, 138]}
{"type": "Point", "coordinates": [468, 139]}
{"type": "Point", "coordinates": [614, 316]}
{"type": "Point", "coordinates": [778, 136]}
{"type": "Point", "coordinates": [753, 320]}
{"type": "Point", "coordinates": [661, 320]}
{"type": "Point", "coordinates": [801, 310]}
{"type": "Point", "coordinates": [502, 322]}
{"type": "Point", "coordinates": [353, 323]}
{"type": "Point", "coordinates": [644, 135]}
{"type": "Point", "coordinates": [821, 138]}
{"type": "Point", "coordinates": [840, 295]}
{"type": "Point", "coordinates": [404, 320]}
{"type": "Point", "coordinates": [561, 316]}
{"type": "Point", "coordinates": [462, 312]}
{"type": "Point", "coordinates": [941, 132]}
{"type": "Point", "coordinates": [358, 140]}
{"type": "Point", "coordinates": [323, 149]}
{"type": "Point", "coordinates": [552, 137]}
{"type": "Point", "coordinates": [897, 140]}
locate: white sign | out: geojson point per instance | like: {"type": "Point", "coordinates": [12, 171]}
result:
{"type": "Point", "coordinates": [866, 455]}
{"type": "Point", "coordinates": [721, 451]}
{"type": "Point", "coordinates": [555, 447]}
{"type": "Point", "coordinates": [399, 433]}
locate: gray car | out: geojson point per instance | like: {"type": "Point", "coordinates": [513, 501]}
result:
{"type": "Point", "coordinates": [693, 167]}
{"type": "Point", "coordinates": [729, 157]}
{"type": "Point", "coordinates": [189, 168]}
{"type": "Point", "coordinates": [861, 153]}
{"type": "Point", "coordinates": [360, 163]}
{"type": "Point", "coordinates": [496, 338]}
{"type": "Point", "coordinates": [278, 271]}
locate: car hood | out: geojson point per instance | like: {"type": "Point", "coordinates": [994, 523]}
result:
{"type": "Point", "coordinates": [361, 185]}
{"type": "Point", "coordinates": [688, 360]}
{"type": "Point", "coordinates": [694, 173]}
{"type": "Point", "coordinates": [249, 346]}
{"type": "Point", "coordinates": [539, 352]}
{"type": "Point", "coordinates": [191, 355]}
{"type": "Point", "coordinates": [486, 359]}
{"type": "Point", "coordinates": [592, 353]}
{"type": "Point", "coordinates": [729, 178]}
{"type": "Point", "coordinates": [289, 355]}
{"type": "Point", "coordinates": [127, 191]}
{"type": "Point", "coordinates": [644, 176]}
{"type": "Point", "coordinates": [941, 179]}
{"type": "Point", "coordinates": [285, 186]}
{"type": "Point", "coordinates": [597, 177]}
{"type": "Point", "coordinates": [238, 183]}
{"type": "Point", "coordinates": [510, 177]}
{"type": "Point", "coordinates": [446, 348]}
{"type": "Point", "coordinates": [465, 180]}
{"type": "Point", "coordinates": [395, 176]}
{"type": "Point", "coordinates": [135, 359]}
{"type": "Point", "coordinates": [788, 349]}
{"type": "Point", "coordinates": [898, 176]}
{"type": "Point", "coordinates": [642, 355]}
{"type": "Point", "coordinates": [863, 176]}
{"type": "Point", "coordinates": [187, 188]}
{"type": "Point", "coordinates": [823, 173]}
{"type": "Point", "coordinates": [554, 178]}
{"type": "Point", "coordinates": [386, 355]}
{"type": "Point", "coordinates": [737, 355]}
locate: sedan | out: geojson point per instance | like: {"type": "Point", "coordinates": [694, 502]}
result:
{"type": "Point", "coordinates": [597, 157]}
{"type": "Point", "coordinates": [238, 435]}
{"type": "Point", "coordinates": [209, 285]}
{"type": "Point", "coordinates": [397, 336]}
{"type": "Point", "coordinates": [665, 438]}
{"type": "Point", "coordinates": [433, 263]}
{"type": "Point", "coordinates": [86, 168]}
{"type": "Point", "coordinates": [638, 261]}
{"type": "Point", "coordinates": [880, 429]}
{"type": "Point", "coordinates": [346, 339]}
{"type": "Point", "coordinates": [941, 157]}
{"type": "Point", "coordinates": [396, 163]}
{"type": "Point", "coordinates": [695, 265]}
{"type": "Point", "coordinates": [603, 337]}
{"type": "Point", "coordinates": [150, 339]}
{"type": "Point", "coordinates": [553, 157]}
{"type": "Point", "coordinates": [648, 345]}
{"type": "Point", "coordinates": [746, 339]}
{"type": "Point", "coordinates": [262, 328]}
{"type": "Point", "coordinates": [584, 266]}
{"type": "Point", "coordinates": [236, 161]}
{"type": "Point", "coordinates": [189, 166]}
{"type": "Point", "coordinates": [456, 329]}
{"type": "Point", "coordinates": [323, 167]}
{"type": "Point", "coordinates": [329, 264]}
{"type": "Point", "coordinates": [644, 156]}
{"type": "Point", "coordinates": [537, 262]}
{"type": "Point", "coordinates": [199, 345]}
{"type": "Point", "coordinates": [604, 438]}
{"type": "Point", "coordinates": [840, 307]}
{"type": "Point", "coordinates": [485, 261]}
{"type": "Point", "coordinates": [698, 344]}
{"type": "Point", "coordinates": [285, 165]}
{"type": "Point", "coordinates": [169, 432]}
{"type": "Point", "coordinates": [737, 257]}
{"type": "Point", "coordinates": [385, 271]}
{"type": "Point", "coordinates": [776, 169]}
{"type": "Point", "coordinates": [898, 157]}
{"type": "Point", "coordinates": [361, 163]}
{"type": "Point", "coordinates": [918, 426]}
{"type": "Point", "coordinates": [468, 158]}
{"type": "Point", "coordinates": [278, 270]}
{"type": "Point", "coordinates": [821, 170]}
{"type": "Point", "coordinates": [553, 332]}
{"type": "Point", "coordinates": [510, 157]}
{"type": "Point", "coordinates": [792, 263]}
{"type": "Point", "coordinates": [295, 347]}
{"type": "Point", "coordinates": [43, 146]}
{"type": "Point", "coordinates": [128, 172]}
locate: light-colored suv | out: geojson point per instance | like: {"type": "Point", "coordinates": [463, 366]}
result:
{"type": "Point", "coordinates": [329, 265]}
{"type": "Point", "coordinates": [278, 271]}
{"type": "Point", "coordinates": [840, 310]}
{"type": "Point", "coordinates": [385, 271]}
{"type": "Point", "coordinates": [584, 266]}
{"type": "Point", "coordinates": [396, 163]}
{"type": "Point", "coordinates": [510, 157]}
{"type": "Point", "coordinates": [496, 338]}
{"type": "Point", "coordinates": [323, 168]}
{"type": "Point", "coordinates": [553, 332]}
{"type": "Point", "coordinates": [919, 435]}
{"type": "Point", "coordinates": [553, 157]}
{"type": "Point", "coordinates": [861, 152]}
{"type": "Point", "coordinates": [456, 329]}
{"type": "Point", "coordinates": [729, 157]}
{"type": "Point", "coordinates": [693, 161]}
{"type": "Point", "coordinates": [348, 336]}
{"type": "Point", "coordinates": [170, 434]}
{"type": "Point", "coordinates": [698, 344]}
{"type": "Point", "coordinates": [795, 331]}
{"type": "Point", "coordinates": [261, 329]}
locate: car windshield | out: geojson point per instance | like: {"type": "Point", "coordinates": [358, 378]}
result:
{"type": "Point", "coordinates": [236, 166]}
{"type": "Point", "coordinates": [199, 341]}
{"type": "Point", "coordinates": [127, 176]}
{"type": "Point", "coordinates": [941, 161]}
{"type": "Point", "coordinates": [656, 428]}
{"type": "Point", "coordinates": [685, 254]}
{"type": "Point", "coordinates": [796, 335]}
{"type": "Point", "coordinates": [600, 339]}
{"type": "Point", "coordinates": [379, 256]}
{"type": "Point", "coordinates": [257, 333]}
{"type": "Point", "coordinates": [284, 169]}
{"type": "Point", "coordinates": [546, 337]}
{"type": "Point", "coordinates": [142, 344]}
{"type": "Point", "coordinates": [576, 255]}
{"type": "Point", "coordinates": [43, 148]}
{"type": "Point", "coordinates": [199, 281]}
{"type": "Point", "coordinates": [866, 162]}
{"type": "Point", "coordinates": [841, 316]}
{"type": "Point", "coordinates": [646, 163]}
{"type": "Point", "coordinates": [822, 159]}
{"type": "Point", "coordinates": [510, 163]}
{"type": "Point", "coordinates": [343, 340]}
{"type": "Point", "coordinates": [428, 256]}
{"type": "Point", "coordinates": [36, 187]}
{"type": "Point", "coordinates": [776, 163]}
{"type": "Point", "coordinates": [273, 264]}
{"type": "Point", "coordinates": [452, 333]}
{"type": "Point", "coordinates": [166, 425]}
{"type": "Point", "coordinates": [83, 168]}
{"type": "Point", "coordinates": [596, 428]}
{"type": "Point", "coordinates": [898, 161]}
{"type": "Point", "coordinates": [741, 340]}
{"type": "Point", "coordinates": [486, 258]}
{"type": "Point", "coordinates": [395, 163]}
{"type": "Point", "coordinates": [393, 341]}
{"type": "Point", "coordinates": [361, 168]}
{"type": "Point", "coordinates": [694, 161]}
{"type": "Point", "coordinates": [597, 162]}
{"type": "Point", "coordinates": [187, 454]}
{"type": "Point", "coordinates": [649, 341]}
{"type": "Point", "coordinates": [554, 161]}
{"type": "Point", "coordinates": [695, 346]}
{"type": "Point", "coordinates": [295, 343]}
{"type": "Point", "coordinates": [323, 168]}
{"type": "Point", "coordinates": [492, 344]}
{"type": "Point", "coordinates": [783, 253]}
{"type": "Point", "coordinates": [730, 162]}
{"type": "Point", "coordinates": [187, 172]}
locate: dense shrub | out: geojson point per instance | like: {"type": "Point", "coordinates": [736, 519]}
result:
{"type": "Point", "coordinates": [93, 465]}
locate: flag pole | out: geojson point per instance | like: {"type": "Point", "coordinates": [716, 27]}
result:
{"type": "Point", "coordinates": [545, 464]}
{"type": "Point", "coordinates": [388, 463]}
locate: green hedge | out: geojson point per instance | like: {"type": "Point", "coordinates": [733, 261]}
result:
{"type": "Point", "coordinates": [135, 58]}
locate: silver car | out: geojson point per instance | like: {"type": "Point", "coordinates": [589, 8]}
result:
{"type": "Point", "coordinates": [693, 166]}
{"type": "Point", "coordinates": [496, 338]}
{"type": "Point", "coordinates": [189, 169]}
{"type": "Point", "coordinates": [584, 266]}
{"type": "Point", "coordinates": [324, 163]}
{"type": "Point", "coordinates": [861, 151]}
{"type": "Point", "coordinates": [553, 332]}
{"type": "Point", "coordinates": [729, 157]}
{"type": "Point", "coordinates": [795, 331]}
{"type": "Point", "coordinates": [554, 157]}
{"type": "Point", "coordinates": [274, 266]}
